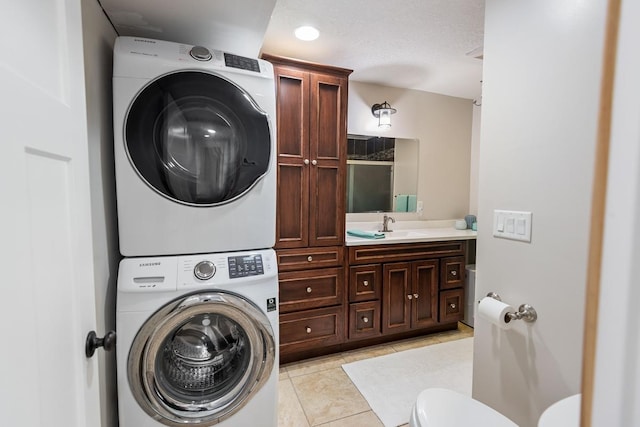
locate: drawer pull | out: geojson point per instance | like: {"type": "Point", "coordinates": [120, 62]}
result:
{"type": "Point", "coordinates": [309, 258]}
{"type": "Point", "coordinates": [306, 161]}
{"type": "Point", "coordinates": [452, 306]}
{"type": "Point", "coordinates": [365, 283]}
{"type": "Point", "coordinates": [415, 296]}
{"type": "Point", "coordinates": [365, 319]}
{"type": "Point", "coordinates": [309, 289]}
{"type": "Point", "coordinates": [308, 330]}
{"type": "Point", "coordinates": [410, 296]}
{"type": "Point", "coordinates": [454, 273]}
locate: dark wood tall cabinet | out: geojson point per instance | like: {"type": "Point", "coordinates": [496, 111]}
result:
{"type": "Point", "coordinates": [311, 103]}
{"type": "Point", "coordinates": [312, 134]}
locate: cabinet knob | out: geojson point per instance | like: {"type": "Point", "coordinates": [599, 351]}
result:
{"type": "Point", "coordinates": [309, 258]}
{"type": "Point", "coordinates": [410, 296]}
{"type": "Point", "coordinates": [314, 162]}
{"type": "Point", "coordinates": [452, 306]}
{"type": "Point", "coordinates": [365, 319]}
{"type": "Point", "coordinates": [415, 296]}
{"type": "Point", "coordinates": [365, 283]}
{"type": "Point", "coordinates": [306, 161]}
{"type": "Point", "coordinates": [308, 330]}
{"type": "Point", "coordinates": [309, 289]}
{"type": "Point", "coordinates": [454, 273]}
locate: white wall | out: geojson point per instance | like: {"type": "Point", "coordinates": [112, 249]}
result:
{"type": "Point", "coordinates": [442, 124]}
{"type": "Point", "coordinates": [541, 85]}
{"type": "Point", "coordinates": [98, 38]}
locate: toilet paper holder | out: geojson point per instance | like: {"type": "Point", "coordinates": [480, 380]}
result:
{"type": "Point", "coordinates": [525, 311]}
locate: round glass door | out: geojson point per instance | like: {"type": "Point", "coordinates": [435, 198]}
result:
{"type": "Point", "coordinates": [200, 359]}
{"type": "Point", "coordinates": [197, 138]}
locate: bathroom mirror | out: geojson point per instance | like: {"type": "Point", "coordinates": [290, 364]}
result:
{"type": "Point", "coordinates": [382, 174]}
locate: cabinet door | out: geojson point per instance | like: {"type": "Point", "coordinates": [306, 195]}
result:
{"type": "Point", "coordinates": [451, 305]}
{"type": "Point", "coordinates": [452, 272]}
{"type": "Point", "coordinates": [365, 282]}
{"type": "Point", "coordinates": [396, 297]}
{"type": "Point", "coordinates": [424, 308]}
{"type": "Point", "coordinates": [327, 148]}
{"type": "Point", "coordinates": [364, 319]}
{"type": "Point", "coordinates": [292, 104]}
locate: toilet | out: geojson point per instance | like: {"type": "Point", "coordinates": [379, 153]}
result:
{"type": "Point", "coordinates": [563, 413]}
{"type": "Point", "coordinates": [440, 407]}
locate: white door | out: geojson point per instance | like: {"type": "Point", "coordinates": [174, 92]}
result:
{"type": "Point", "coordinates": [46, 287]}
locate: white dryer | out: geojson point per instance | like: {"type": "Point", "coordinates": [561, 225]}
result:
{"type": "Point", "coordinates": [198, 340]}
{"type": "Point", "coordinates": [194, 145]}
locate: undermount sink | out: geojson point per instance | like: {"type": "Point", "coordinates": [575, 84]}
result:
{"type": "Point", "coordinates": [404, 233]}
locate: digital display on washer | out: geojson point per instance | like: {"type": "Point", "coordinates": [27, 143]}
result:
{"type": "Point", "coordinates": [241, 62]}
{"type": "Point", "coordinates": [243, 266]}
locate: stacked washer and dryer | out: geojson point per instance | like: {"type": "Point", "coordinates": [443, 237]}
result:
{"type": "Point", "coordinates": [196, 309]}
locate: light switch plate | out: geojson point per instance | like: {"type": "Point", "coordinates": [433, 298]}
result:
{"type": "Point", "coordinates": [512, 225]}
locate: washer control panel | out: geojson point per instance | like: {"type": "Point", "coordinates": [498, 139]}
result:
{"type": "Point", "coordinates": [245, 265]}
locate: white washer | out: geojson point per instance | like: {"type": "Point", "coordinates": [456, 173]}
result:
{"type": "Point", "coordinates": [194, 146]}
{"type": "Point", "coordinates": [198, 340]}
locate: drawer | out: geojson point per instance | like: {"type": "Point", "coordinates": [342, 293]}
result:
{"type": "Point", "coordinates": [302, 259]}
{"type": "Point", "coordinates": [365, 282]}
{"type": "Point", "coordinates": [309, 329]}
{"type": "Point", "coordinates": [370, 254]}
{"type": "Point", "coordinates": [301, 290]}
{"type": "Point", "coordinates": [451, 305]}
{"type": "Point", "coordinates": [364, 320]}
{"type": "Point", "coordinates": [452, 272]}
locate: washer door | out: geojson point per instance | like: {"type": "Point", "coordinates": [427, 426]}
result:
{"type": "Point", "coordinates": [200, 359]}
{"type": "Point", "coordinates": [197, 138]}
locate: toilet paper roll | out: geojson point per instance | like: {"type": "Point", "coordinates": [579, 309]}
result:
{"type": "Point", "coordinates": [495, 312]}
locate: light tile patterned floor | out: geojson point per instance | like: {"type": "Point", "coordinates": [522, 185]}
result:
{"type": "Point", "coordinates": [317, 392]}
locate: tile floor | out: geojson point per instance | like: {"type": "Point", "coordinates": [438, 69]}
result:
{"type": "Point", "coordinates": [317, 392]}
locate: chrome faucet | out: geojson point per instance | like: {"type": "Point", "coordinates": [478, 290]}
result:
{"type": "Point", "coordinates": [385, 223]}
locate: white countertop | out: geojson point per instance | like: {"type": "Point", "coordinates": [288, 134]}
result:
{"type": "Point", "coordinates": [409, 232]}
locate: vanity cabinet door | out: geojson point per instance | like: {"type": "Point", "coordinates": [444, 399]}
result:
{"type": "Point", "coordinates": [364, 319]}
{"type": "Point", "coordinates": [424, 309]}
{"type": "Point", "coordinates": [451, 305]}
{"type": "Point", "coordinates": [365, 282]}
{"type": "Point", "coordinates": [396, 297]}
{"type": "Point", "coordinates": [452, 272]}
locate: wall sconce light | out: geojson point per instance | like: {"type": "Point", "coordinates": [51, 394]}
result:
{"type": "Point", "coordinates": [383, 113]}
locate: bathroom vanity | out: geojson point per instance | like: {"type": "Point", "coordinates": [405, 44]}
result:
{"type": "Point", "coordinates": [340, 293]}
{"type": "Point", "coordinates": [372, 290]}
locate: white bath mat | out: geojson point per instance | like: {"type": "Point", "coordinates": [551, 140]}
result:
{"type": "Point", "coordinates": [391, 383]}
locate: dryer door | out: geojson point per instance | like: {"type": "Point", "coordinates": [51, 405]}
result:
{"type": "Point", "coordinates": [201, 358]}
{"type": "Point", "coordinates": [197, 138]}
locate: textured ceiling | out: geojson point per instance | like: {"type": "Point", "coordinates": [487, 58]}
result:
{"type": "Point", "coordinates": [415, 44]}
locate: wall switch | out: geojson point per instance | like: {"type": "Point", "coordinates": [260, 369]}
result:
{"type": "Point", "coordinates": [513, 225]}
{"type": "Point", "coordinates": [419, 208]}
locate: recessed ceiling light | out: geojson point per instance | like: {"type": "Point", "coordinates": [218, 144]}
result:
{"type": "Point", "coordinates": [307, 33]}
